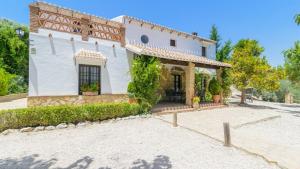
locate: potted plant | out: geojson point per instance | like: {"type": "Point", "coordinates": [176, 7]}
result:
{"type": "Point", "coordinates": [196, 101]}
{"type": "Point", "coordinates": [215, 89]}
{"type": "Point", "coordinates": [90, 89]}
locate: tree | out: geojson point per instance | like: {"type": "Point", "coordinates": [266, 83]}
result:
{"type": "Point", "coordinates": [14, 49]}
{"type": "Point", "coordinates": [250, 69]}
{"type": "Point", "coordinates": [292, 63]}
{"type": "Point", "coordinates": [145, 73]}
{"type": "Point", "coordinates": [214, 35]}
{"type": "Point", "coordinates": [297, 19]}
{"type": "Point", "coordinates": [223, 55]}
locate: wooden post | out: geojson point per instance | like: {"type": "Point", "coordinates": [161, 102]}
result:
{"type": "Point", "coordinates": [227, 139]}
{"type": "Point", "coordinates": [175, 120]}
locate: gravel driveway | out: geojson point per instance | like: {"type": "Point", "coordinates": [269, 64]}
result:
{"type": "Point", "coordinates": [143, 143]}
{"type": "Point", "coordinates": [268, 129]}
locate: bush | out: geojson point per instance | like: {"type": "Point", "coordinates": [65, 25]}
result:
{"type": "Point", "coordinates": [17, 85]}
{"type": "Point", "coordinates": [5, 78]}
{"type": "Point", "coordinates": [208, 96]}
{"type": "Point", "coordinates": [269, 96]}
{"type": "Point", "coordinates": [145, 82]}
{"type": "Point", "coordinates": [214, 87]}
{"type": "Point", "coordinates": [54, 115]}
{"type": "Point", "coordinates": [196, 99]}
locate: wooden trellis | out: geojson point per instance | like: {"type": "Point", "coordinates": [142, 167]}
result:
{"type": "Point", "coordinates": [64, 20]}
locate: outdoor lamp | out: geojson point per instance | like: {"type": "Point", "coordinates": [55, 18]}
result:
{"type": "Point", "coordinates": [20, 32]}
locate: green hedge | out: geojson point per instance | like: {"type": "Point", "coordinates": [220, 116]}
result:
{"type": "Point", "coordinates": [54, 115]}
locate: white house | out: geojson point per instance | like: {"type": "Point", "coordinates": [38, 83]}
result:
{"type": "Point", "coordinates": [69, 49]}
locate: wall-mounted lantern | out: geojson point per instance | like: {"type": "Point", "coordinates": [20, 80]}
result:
{"type": "Point", "coordinates": [20, 32]}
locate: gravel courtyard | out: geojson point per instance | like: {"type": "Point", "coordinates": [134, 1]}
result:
{"type": "Point", "coordinates": [143, 143]}
{"type": "Point", "coordinates": [268, 129]}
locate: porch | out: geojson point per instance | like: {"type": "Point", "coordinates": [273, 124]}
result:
{"type": "Point", "coordinates": [178, 72]}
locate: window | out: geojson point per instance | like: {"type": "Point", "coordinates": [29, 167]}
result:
{"type": "Point", "coordinates": [203, 51]}
{"type": "Point", "coordinates": [144, 39]}
{"type": "Point", "coordinates": [173, 42]}
{"type": "Point", "coordinates": [89, 75]}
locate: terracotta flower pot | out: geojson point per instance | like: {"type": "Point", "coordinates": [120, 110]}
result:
{"type": "Point", "coordinates": [89, 93]}
{"type": "Point", "coordinates": [216, 98]}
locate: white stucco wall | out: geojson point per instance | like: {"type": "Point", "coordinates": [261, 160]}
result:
{"type": "Point", "coordinates": [161, 39]}
{"type": "Point", "coordinates": [53, 71]}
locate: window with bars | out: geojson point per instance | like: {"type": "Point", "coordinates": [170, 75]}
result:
{"type": "Point", "coordinates": [89, 75]}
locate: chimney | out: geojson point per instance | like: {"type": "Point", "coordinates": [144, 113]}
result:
{"type": "Point", "coordinates": [195, 33]}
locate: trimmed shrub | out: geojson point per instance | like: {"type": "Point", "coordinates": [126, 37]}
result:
{"type": "Point", "coordinates": [54, 115]}
{"type": "Point", "coordinates": [214, 86]}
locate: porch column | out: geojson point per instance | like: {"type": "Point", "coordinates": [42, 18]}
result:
{"type": "Point", "coordinates": [189, 83]}
{"type": "Point", "coordinates": [219, 78]}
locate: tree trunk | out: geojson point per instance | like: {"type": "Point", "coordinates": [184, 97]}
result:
{"type": "Point", "coordinates": [243, 97]}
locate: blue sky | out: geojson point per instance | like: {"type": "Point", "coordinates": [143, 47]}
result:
{"type": "Point", "coordinates": [268, 21]}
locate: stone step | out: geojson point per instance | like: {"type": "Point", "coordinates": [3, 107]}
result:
{"type": "Point", "coordinates": [174, 111]}
{"type": "Point", "coordinates": [170, 108]}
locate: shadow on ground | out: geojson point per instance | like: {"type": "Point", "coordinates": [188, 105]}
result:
{"type": "Point", "coordinates": [261, 107]}
{"type": "Point", "coordinates": [32, 162]}
{"type": "Point", "coordinates": [291, 106]}
{"type": "Point", "coordinates": [160, 162]}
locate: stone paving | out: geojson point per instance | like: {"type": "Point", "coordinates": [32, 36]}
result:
{"type": "Point", "coordinates": [267, 129]}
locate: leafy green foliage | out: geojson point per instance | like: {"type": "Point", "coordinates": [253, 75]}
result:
{"type": "Point", "coordinates": [208, 96]}
{"type": "Point", "coordinates": [223, 55]}
{"type": "Point", "coordinates": [14, 50]}
{"type": "Point", "coordinates": [249, 69]}
{"type": "Point", "coordinates": [292, 63]}
{"type": "Point", "coordinates": [54, 115]}
{"type": "Point", "coordinates": [196, 99]}
{"type": "Point", "coordinates": [94, 87]}
{"type": "Point", "coordinates": [214, 35]}
{"type": "Point", "coordinates": [297, 19]}
{"type": "Point", "coordinates": [4, 82]}
{"type": "Point", "coordinates": [214, 86]}
{"type": "Point", "coordinates": [144, 86]}
{"type": "Point", "coordinates": [269, 96]}
{"type": "Point", "coordinates": [17, 85]}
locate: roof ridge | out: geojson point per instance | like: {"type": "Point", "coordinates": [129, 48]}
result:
{"type": "Point", "coordinates": [166, 27]}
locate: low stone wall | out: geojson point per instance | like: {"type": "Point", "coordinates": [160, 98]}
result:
{"type": "Point", "coordinates": [76, 100]}
{"type": "Point", "coordinates": [11, 97]}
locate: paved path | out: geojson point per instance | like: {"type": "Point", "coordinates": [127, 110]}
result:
{"type": "Point", "coordinates": [137, 144]}
{"type": "Point", "coordinates": [15, 104]}
{"type": "Point", "coordinates": [268, 129]}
